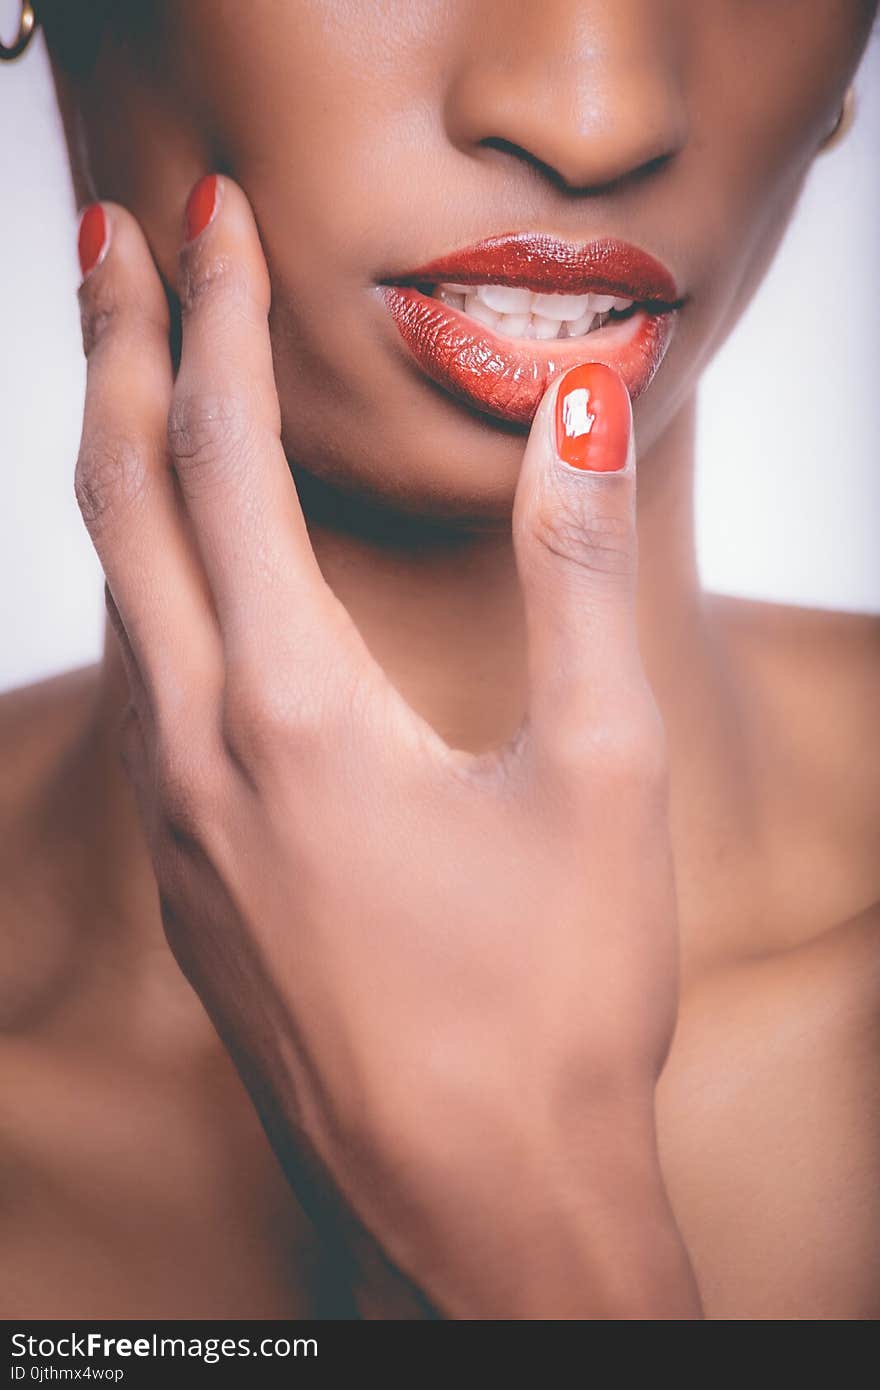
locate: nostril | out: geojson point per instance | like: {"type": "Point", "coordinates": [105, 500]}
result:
{"type": "Point", "coordinates": [524, 156]}
{"type": "Point", "coordinates": [574, 181]}
{"type": "Point", "coordinates": [650, 168]}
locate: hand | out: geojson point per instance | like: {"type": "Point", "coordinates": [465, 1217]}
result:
{"type": "Point", "coordinates": [448, 980]}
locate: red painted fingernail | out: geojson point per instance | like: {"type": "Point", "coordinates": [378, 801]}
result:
{"type": "Point", "coordinates": [200, 207]}
{"type": "Point", "coordinates": [593, 418]}
{"type": "Point", "coordinates": [92, 238]}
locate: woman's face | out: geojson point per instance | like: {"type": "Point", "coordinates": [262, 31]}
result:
{"type": "Point", "coordinates": [374, 138]}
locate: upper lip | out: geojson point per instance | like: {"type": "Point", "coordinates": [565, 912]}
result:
{"type": "Point", "coordinates": [541, 262]}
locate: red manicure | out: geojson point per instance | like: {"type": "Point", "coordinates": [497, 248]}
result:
{"type": "Point", "coordinates": [593, 418]}
{"type": "Point", "coordinates": [200, 206]}
{"type": "Point", "coordinates": [92, 237]}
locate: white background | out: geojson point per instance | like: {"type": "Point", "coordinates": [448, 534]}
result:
{"type": "Point", "coordinates": [788, 484]}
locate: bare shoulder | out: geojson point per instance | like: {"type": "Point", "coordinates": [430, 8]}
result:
{"type": "Point", "coordinates": [769, 1113]}
{"type": "Point", "coordinates": [25, 708]}
{"type": "Point", "coordinates": [36, 721]}
{"type": "Point", "coordinates": [812, 681]}
{"type": "Point", "coordinates": [792, 643]}
{"type": "Point", "coordinates": [41, 727]}
{"type": "Point", "coordinates": [770, 1117]}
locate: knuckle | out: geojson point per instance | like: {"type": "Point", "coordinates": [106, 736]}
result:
{"type": "Point", "coordinates": [265, 716]}
{"type": "Point", "coordinates": [110, 474]}
{"type": "Point", "coordinates": [632, 749]}
{"type": "Point", "coordinates": [113, 308]}
{"type": "Point", "coordinates": [99, 304]}
{"type": "Point", "coordinates": [210, 434]}
{"type": "Point", "coordinates": [211, 278]}
{"type": "Point", "coordinates": [252, 720]}
{"type": "Point", "coordinates": [185, 697]}
{"type": "Point", "coordinates": [626, 752]}
{"type": "Point", "coordinates": [599, 543]}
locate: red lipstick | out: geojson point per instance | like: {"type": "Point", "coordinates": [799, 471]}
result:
{"type": "Point", "coordinates": [505, 376]}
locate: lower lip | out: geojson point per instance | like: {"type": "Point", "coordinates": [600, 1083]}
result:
{"type": "Point", "coordinates": [507, 377]}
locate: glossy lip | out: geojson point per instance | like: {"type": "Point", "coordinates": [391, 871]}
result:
{"type": "Point", "coordinates": [507, 377]}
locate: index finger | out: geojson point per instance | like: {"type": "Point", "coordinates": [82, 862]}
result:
{"type": "Point", "coordinates": [123, 484]}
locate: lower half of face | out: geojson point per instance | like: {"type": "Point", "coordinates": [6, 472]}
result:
{"type": "Point", "coordinates": [455, 206]}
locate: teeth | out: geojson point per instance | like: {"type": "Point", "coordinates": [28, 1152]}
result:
{"type": "Point", "coordinates": [581, 325]}
{"type": "Point", "coordinates": [514, 325]}
{"type": "Point", "coordinates": [518, 313]}
{"type": "Point", "coordinates": [474, 306]}
{"type": "Point", "coordinates": [449, 295]}
{"type": "Point", "coordinates": [504, 299]}
{"type": "Point", "coordinates": [560, 306]}
{"type": "Point", "coordinates": [541, 327]}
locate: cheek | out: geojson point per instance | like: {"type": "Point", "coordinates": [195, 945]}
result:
{"type": "Point", "coordinates": [338, 167]}
{"type": "Point", "coordinates": [759, 105]}
{"type": "Point", "coordinates": [344, 153]}
{"type": "Point", "coordinates": [325, 118]}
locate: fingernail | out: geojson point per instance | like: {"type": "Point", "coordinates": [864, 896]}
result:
{"type": "Point", "coordinates": [200, 207]}
{"type": "Point", "coordinates": [593, 418]}
{"type": "Point", "coordinates": [92, 238]}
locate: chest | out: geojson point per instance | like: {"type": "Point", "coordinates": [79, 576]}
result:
{"type": "Point", "coordinates": [131, 1193]}
{"type": "Point", "coordinates": [128, 1192]}
{"type": "Point", "coordinates": [769, 1131]}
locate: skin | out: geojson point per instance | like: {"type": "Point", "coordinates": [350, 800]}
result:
{"type": "Point", "coordinates": [132, 1130]}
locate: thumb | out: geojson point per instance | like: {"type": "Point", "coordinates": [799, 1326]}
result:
{"type": "Point", "coordinates": [574, 532]}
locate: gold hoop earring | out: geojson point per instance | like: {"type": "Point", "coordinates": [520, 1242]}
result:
{"type": "Point", "coordinates": [843, 125]}
{"type": "Point", "coordinates": [27, 25]}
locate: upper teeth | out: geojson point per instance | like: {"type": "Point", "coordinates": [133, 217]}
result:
{"type": "Point", "coordinates": [519, 313]}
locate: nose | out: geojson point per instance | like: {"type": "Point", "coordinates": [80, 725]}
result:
{"type": "Point", "coordinates": [589, 93]}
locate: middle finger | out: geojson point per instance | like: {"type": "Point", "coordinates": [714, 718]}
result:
{"type": "Point", "coordinates": [225, 438]}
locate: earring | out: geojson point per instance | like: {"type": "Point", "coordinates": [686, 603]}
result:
{"type": "Point", "coordinates": [27, 25]}
{"type": "Point", "coordinates": [843, 124]}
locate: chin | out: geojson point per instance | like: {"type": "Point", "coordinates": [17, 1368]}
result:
{"type": "Point", "coordinates": [462, 476]}
{"type": "Point", "coordinates": [398, 444]}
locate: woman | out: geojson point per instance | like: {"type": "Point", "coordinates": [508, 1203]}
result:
{"type": "Point", "coordinates": [532, 896]}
